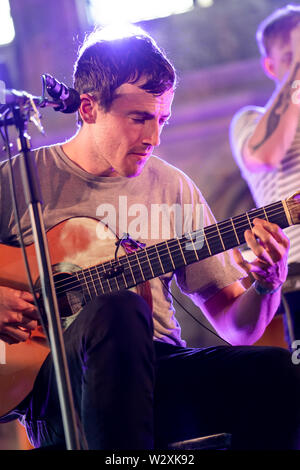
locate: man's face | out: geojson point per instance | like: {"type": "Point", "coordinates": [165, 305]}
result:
{"type": "Point", "coordinates": [125, 136]}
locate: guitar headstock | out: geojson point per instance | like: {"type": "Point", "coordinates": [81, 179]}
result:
{"type": "Point", "coordinates": [293, 204]}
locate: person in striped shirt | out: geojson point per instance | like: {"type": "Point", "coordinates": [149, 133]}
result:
{"type": "Point", "coordinates": [266, 141]}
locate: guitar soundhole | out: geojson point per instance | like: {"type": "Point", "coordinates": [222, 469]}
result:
{"type": "Point", "coordinates": [69, 294]}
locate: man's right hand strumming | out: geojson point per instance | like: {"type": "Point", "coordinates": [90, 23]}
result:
{"type": "Point", "coordinates": [18, 315]}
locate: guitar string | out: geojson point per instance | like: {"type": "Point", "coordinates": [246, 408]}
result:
{"type": "Point", "coordinates": [98, 270]}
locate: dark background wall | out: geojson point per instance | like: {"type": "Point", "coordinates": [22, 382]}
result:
{"type": "Point", "coordinates": [216, 57]}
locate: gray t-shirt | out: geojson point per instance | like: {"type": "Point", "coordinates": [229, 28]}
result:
{"type": "Point", "coordinates": [159, 204]}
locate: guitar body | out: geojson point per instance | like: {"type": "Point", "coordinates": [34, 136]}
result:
{"type": "Point", "coordinates": [74, 244]}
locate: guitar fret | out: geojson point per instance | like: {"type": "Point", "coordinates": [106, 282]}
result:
{"type": "Point", "coordinates": [116, 282]}
{"type": "Point", "coordinates": [107, 284]}
{"type": "Point", "coordinates": [93, 283]}
{"type": "Point", "coordinates": [257, 214]}
{"type": "Point", "coordinates": [135, 268]}
{"type": "Point", "coordinates": [193, 244]}
{"type": "Point", "coordinates": [115, 278]}
{"type": "Point", "coordinates": [266, 216]}
{"type": "Point", "coordinates": [166, 258]}
{"type": "Point", "coordinates": [220, 236]}
{"type": "Point", "coordinates": [229, 234]}
{"type": "Point", "coordinates": [188, 248]}
{"type": "Point", "coordinates": [215, 244]}
{"type": "Point", "coordinates": [80, 276]}
{"type": "Point", "coordinates": [249, 221]}
{"type": "Point", "coordinates": [170, 256]}
{"type": "Point", "coordinates": [125, 282]}
{"type": "Point", "coordinates": [86, 292]}
{"type": "Point", "coordinates": [121, 282]}
{"type": "Point", "coordinates": [145, 264]}
{"type": "Point", "coordinates": [107, 279]}
{"type": "Point", "coordinates": [236, 235]}
{"type": "Point", "coordinates": [162, 268]}
{"type": "Point", "coordinates": [207, 244]}
{"type": "Point", "coordinates": [99, 279]}
{"type": "Point", "coordinates": [87, 285]}
{"type": "Point", "coordinates": [140, 267]}
{"type": "Point", "coordinates": [134, 279]}
{"type": "Point", "coordinates": [196, 248]}
{"type": "Point", "coordinates": [148, 259]}
{"type": "Point", "coordinates": [181, 251]}
{"type": "Point", "coordinates": [127, 273]}
{"type": "Point", "coordinates": [176, 254]}
{"type": "Point", "coordinates": [240, 225]}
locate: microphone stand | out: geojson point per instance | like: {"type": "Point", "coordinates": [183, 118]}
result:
{"type": "Point", "coordinates": [34, 202]}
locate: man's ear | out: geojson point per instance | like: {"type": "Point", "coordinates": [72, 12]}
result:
{"type": "Point", "coordinates": [88, 108]}
{"type": "Point", "coordinates": [268, 66]}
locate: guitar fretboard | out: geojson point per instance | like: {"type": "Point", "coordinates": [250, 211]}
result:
{"type": "Point", "coordinates": [145, 264]}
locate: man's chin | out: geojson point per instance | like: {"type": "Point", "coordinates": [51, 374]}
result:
{"type": "Point", "coordinates": [133, 175]}
{"type": "Point", "coordinates": [133, 172]}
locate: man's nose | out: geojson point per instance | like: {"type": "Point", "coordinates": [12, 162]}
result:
{"type": "Point", "coordinates": [152, 134]}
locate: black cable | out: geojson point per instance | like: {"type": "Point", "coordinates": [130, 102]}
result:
{"type": "Point", "coordinates": [192, 316]}
{"type": "Point", "coordinates": [289, 326]}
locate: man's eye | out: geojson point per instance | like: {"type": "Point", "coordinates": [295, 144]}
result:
{"type": "Point", "coordinates": [138, 120]}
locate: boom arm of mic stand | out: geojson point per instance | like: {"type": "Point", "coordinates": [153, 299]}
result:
{"type": "Point", "coordinates": [33, 199]}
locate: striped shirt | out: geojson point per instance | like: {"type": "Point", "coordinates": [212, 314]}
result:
{"type": "Point", "coordinates": [273, 185]}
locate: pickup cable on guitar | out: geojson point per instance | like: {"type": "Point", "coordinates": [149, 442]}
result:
{"type": "Point", "coordinates": [128, 243]}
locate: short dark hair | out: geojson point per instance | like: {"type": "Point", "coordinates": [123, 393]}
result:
{"type": "Point", "coordinates": [104, 64]}
{"type": "Point", "coordinates": [277, 26]}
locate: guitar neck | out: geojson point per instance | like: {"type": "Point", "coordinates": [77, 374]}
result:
{"type": "Point", "coordinates": [156, 260]}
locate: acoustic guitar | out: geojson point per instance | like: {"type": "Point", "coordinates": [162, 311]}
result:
{"type": "Point", "coordinates": [86, 263]}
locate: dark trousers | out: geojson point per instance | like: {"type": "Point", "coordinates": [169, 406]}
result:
{"type": "Point", "coordinates": [133, 393]}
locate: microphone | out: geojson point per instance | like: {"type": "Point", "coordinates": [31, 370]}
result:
{"type": "Point", "coordinates": [68, 99]}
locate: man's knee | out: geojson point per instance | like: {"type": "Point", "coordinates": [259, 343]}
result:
{"type": "Point", "coordinates": [277, 362]}
{"type": "Point", "coordinates": [279, 380]}
{"type": "Point", "coordinates": [123, 309]}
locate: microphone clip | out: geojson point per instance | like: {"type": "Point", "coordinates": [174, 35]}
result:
{"type": "Point", "coordinates": [67, 99]}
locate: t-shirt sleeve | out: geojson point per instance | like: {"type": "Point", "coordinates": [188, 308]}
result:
{"type": "Point", "coordinates": [242, 127]}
